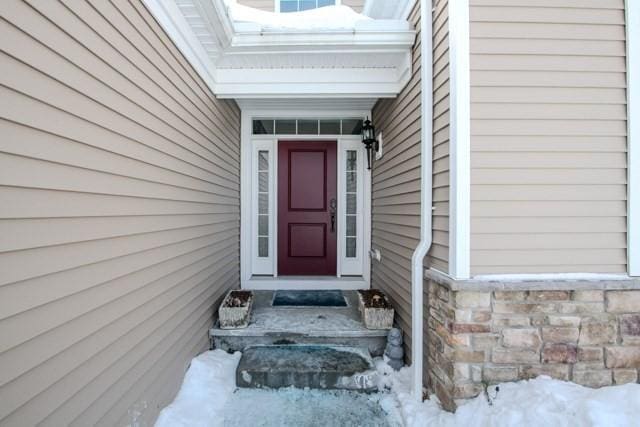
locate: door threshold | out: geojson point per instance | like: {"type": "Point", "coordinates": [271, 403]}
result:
{"type": "Point", "coordinates": [314, 283]}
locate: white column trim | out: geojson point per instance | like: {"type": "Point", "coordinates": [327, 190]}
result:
{"type": "Point", "coordinates": [460, 141]}
{"type": "Point", "coordinates": [632, 10]}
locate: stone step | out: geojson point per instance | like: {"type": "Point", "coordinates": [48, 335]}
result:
{"type": "Point", "coordinates": [271, 324]}
{"type": "Point", "coordinates": [307, 366]}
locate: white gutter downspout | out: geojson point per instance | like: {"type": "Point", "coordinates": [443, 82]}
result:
{"type": "Point", "coordinates": [426, 202]}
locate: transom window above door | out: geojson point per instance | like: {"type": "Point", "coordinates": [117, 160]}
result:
{"type": "Point", "coordinates": [300, 5]}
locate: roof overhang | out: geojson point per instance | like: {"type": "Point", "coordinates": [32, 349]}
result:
{"type": "Point", "coordinates": [242, 60]}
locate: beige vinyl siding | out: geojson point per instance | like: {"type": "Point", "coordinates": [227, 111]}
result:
{"type": "Point", "coordinates": [266, 5]}
{"type": "Point", "coordinates": [356, 5]}
{"type": "Point", "coordinates": [269, 5]}
{"type": "Point", "coordinates": [439, 254]}
{"type": "Point", "coordinates": [396, 192]}
{"type": "Point", "coordinates": [119, 213]}
{"type": "Point", "coordinates": [548, 136]}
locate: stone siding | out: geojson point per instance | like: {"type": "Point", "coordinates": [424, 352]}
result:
{"type": "Point", "coordinates": [474, 339]}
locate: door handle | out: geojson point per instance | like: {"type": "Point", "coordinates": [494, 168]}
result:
{"type": "Point", "coordinates": [332, 212]}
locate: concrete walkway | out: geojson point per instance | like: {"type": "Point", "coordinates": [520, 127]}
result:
{"type": "Point", "coordinates": [310, 408]}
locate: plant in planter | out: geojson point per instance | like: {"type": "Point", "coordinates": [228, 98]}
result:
{"type": "Point", "coordinates": [235, 310]}
{"type": "Point", "coordinates": [376, 310]}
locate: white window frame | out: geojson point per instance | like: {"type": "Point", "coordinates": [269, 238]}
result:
{"type": "Point", "coordinates": [350, 266]}
{"type": "Point", "coordinates": [632, 15]}
{"type": "Point", "coordinates": [261, 273]}
{"type": "Point", "coordinates": [263, 265]}
{"type": "Point", "coordinates": [276, 3]}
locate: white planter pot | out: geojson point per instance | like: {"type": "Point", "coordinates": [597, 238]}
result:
{"type": "Point", "coordinates": [375, 317]}
{"type": "Point", "coordinates": [234, 316]}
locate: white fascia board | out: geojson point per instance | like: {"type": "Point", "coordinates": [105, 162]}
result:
{"type": "Point", "coordinates": [168, 15]}
{"type": "Point", "coordinates": [633, 135]}
{"type": "Point", "coordinates": [287, 41]}
{"type": "Point", "coordinates": [326, 90]}
{"type": "Point", "coordinates": [460, 147]}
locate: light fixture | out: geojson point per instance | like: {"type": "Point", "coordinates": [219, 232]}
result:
{"type": "Point", "coordinates": [369, 140]}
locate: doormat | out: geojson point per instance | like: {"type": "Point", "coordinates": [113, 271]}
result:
{"type": "Point", "coordinates": [309, 299]}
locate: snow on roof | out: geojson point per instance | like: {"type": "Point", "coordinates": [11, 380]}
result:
{"type": "Point", "coordinates": [326, 18]}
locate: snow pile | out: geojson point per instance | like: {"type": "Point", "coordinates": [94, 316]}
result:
{"type": "Point", "coordinates": [323, 18]}
{"type": "Point", "coordinates": [207, 386]}
{"type": "Point", "coordinates": [539, 402]}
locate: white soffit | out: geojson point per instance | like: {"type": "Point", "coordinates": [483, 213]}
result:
{"type": "Point", "coordinates": [372, 61]}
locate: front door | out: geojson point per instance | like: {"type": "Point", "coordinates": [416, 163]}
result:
{"type": "Point", "coordinates": [307, 222]}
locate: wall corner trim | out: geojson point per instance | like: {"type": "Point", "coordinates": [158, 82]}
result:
{"type": "Point", "coordinates": [460, 136]}
{"type": "Point", "coordinates": [632, 12]}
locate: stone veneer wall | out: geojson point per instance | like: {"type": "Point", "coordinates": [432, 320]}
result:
{"type": "Point", "coordinates": [591, 337]}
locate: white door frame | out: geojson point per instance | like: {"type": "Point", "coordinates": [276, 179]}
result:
{"type": "Point", "coordinates": [248, 203]}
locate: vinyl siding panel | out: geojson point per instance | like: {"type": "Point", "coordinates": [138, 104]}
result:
{"type": "Point", "coordinates": [266, 5]}
{"type": "Point", "coordinates": [269, 5]}
{"type": "Point", "coordinates": [119, 181]}
{"type": "Point", "coordinates": [439, 254]}
{"type": "Point", "coordinates": [396, 192]}
{"type": "Point", "coordinates": [548, 136]}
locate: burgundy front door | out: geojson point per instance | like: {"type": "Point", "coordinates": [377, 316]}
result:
{"type": "Point", "coordinates": [307, 223]}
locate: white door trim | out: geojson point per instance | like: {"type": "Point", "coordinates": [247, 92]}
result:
{"type": "Point", "coordinates": [268, 279]}
{"type": "Point", "coordinates": [633, 136]}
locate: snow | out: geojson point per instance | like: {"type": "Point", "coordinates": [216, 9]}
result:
{"type": "Point", "coordinates": [323, 18]}
{"type": "Point", "coordinates": [209, 397]}
{"type": "Point", "coordinates": [538, 402]}
{"type": "Point", "coordinates": [207, 386]}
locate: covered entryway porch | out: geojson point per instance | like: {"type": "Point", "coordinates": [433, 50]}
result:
{"type": "Point", "coordinates": [306, 195]}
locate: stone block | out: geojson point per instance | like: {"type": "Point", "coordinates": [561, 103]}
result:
{"type": "Point", "coordinates": [464, 315]}
{"type": "Point", "coordinates": [481, 316]}
{"type": "Point", "coordinates": [473, 299]}
{"type": "Point", "coordinates": [590, 354]}
{"type": "Point", "coordinates": [521, 338]}
{"type": "Point", "coordinates": [499, 374]}
{"type": "Point", "coordinates": [588, 296]}
{"type": "Point", "coordinates": [525, 308]}
{"type": "Point", "coordinates": [560, 334]}
{"type": "Point", "coordinates": [501, 321]}
{"type": "Point", "coordinates": [576, 307]}
{"type": "Point", "coordinates": [461, 372]}
{"type": "Point", "coordinates": [630, 325]}
{"type": "Point", "coordinates": [445, 397]}
{"type": "Point", "coordinates": [557, 371]}
{"type": "Point", "coordinates": [510, 295]}
{"type": "Point", "coordinates": [598, 332]}
{"type": "Point", "coordinates": [467, 391]}
{"type": "Point", "coordinates": [476, 373]}
{"type": "Point", "coordinates": [513, 356]}
{"type": "Point", "coordinates": [468, 356]}
{"type": "Point", "coordinates": [469, 328]}
{"type": "Point", "coordinates": [548, 296]}
{"type": "Point", "coordinates": [559, 353]}
{"type": "Point", "coordinates": [554, 320]}
{"type": "Point", "coordinates": [595, 378]}
{"type": "Point", "coordinates": [589, 366]}
{"type": "Point", "coordinates": [485, 341]}
{"type": "Point", "coordinates": [625, 376]}
{"type": "Point", "coordinates": [623, 301]}
{"type": "Point", "coordinates": [622, 357]}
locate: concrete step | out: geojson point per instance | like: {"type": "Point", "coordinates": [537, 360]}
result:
{"type": "Point", "coordinates": [307, 366]}
{"type": "Point", "coordinates": [283, 325]}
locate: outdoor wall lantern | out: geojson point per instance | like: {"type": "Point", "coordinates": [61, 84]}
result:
{"type": "Point", "coordinates": [369, 140]}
